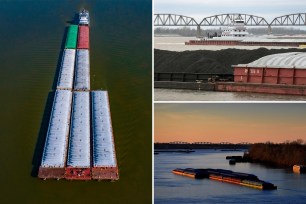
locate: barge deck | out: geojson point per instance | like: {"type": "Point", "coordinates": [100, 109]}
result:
{"type": "Point", "coordinates": [104, 154]}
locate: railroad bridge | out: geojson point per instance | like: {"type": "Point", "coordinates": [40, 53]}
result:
{"type": "Point", "coordinates": [297, 19]}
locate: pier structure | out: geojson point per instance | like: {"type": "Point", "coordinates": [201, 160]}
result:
{"type": "Point", "coordinates": [70, 152]}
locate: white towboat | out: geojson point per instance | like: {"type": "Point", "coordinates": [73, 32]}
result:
{"type": "Point", "coordinates": [84, 17]}
{"type": "Point", "coordinates": [236, 30]}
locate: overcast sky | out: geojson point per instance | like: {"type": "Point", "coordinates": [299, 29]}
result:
{"type": "Point", "coordinates": [199, 9]}
{"type": "Point", "coordinates": [229, 122]}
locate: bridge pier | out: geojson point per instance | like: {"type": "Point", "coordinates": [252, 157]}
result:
{"type": "Point", "coordinates": [199, 34]}
{"type": "Point", "coordinates": [269, 30]}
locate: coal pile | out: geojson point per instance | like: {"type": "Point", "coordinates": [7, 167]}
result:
{"type": "Point", "coordinates": [206, 61]}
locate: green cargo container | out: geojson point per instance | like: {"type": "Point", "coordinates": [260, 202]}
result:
{"type": "Point", "coordinates": [72, 36]}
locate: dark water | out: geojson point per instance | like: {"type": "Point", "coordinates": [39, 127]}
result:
{"type": "Point", "coordinates": [31, 39]}
{"type": "Point", "coordinates": [171, 188]}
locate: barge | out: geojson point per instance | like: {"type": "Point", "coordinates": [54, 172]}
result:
{"type": "Point", "coordinates": [70, 151]}
{"type": "Point", "coordinates": [82, 70]}
{"type": "Point", "coordinates": [54, 155]}
{"type": "Point", "coordinates": [65, 78]}
{"type": "Point", "coordinates": [278, 73]}
{"type": "Point", "coordinates": [283, 73]}
{"type": "Point", "coordinates": [78, 163]}
{"type": "Point", "coordinates": [227, 176]}
{"type": "Point", "coordinates": [250, 42]}
{"type": "Point", "coordinates": [104, 154]}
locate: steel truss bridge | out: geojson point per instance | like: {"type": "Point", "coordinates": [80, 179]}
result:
{"type": "Point", "coordinates": [297, 19]}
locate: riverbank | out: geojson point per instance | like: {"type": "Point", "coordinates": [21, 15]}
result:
{"type": "Point", "coordinates": [162, 146]}
{"type": "Point", "coordinates": [285, 155]}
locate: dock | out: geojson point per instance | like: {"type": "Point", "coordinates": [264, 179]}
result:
{"type": "Point", "coordinates": [80, 142]}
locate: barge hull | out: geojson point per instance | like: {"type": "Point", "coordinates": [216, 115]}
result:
{"type": "Point", "coordinates": [51, 173]}
{"type": "Point", "coordinates": [75, 173]}
{"type": "Point", "coordinates": [261, 88]}
{"type": "Point", "coordinates": [105, 173]}
{"type": "Point", "coordinates": [241, 43]}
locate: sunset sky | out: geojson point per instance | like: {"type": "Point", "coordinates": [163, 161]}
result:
{"type": "Point", "coordinates": [233, 123]}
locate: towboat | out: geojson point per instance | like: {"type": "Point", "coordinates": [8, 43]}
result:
{"type": "Point", "coordinates": [237, 29]}
{"type": "Point", "coordinates": [299, 169]}
{"type": "Point", "coordinates": [84, 17]}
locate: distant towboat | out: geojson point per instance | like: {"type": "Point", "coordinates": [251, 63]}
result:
{"type": "Point", "coordinates": [299, 169]}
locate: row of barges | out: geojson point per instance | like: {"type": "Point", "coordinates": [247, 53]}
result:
{"type": "Point", "coordinates": [79, 143]}
{"type": "Point", "coordinates": [228, 176]}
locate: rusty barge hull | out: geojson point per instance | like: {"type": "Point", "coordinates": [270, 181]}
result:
{"type": "Point", "coordinates": [77, 173]}
{"type": "Point", "coordinates": [51, 173]}
{"type": "Point", "coordinates": [261, 88]}
{"type": "Point", "coordinates": [242, 43]}
{"type": "Point", "coordinates": [104, 173]}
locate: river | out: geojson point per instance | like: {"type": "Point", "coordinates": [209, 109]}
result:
{"type": "Point", "coordinates": [120, 57]}
{"type": "Point", "coordinates": [177, 43]}
{"type": "Point", "coordinates": [172, 188]}
{"type": "Point", "coordinates": [194, 95]}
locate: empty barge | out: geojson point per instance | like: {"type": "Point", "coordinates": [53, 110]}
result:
{"type": "Point", "coordinates": [70, 150]}
{"type": "Point", "coordinates": [228, 176]}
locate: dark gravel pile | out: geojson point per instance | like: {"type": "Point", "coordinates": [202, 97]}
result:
{"type": "Point", "coordinates": [206, 61]}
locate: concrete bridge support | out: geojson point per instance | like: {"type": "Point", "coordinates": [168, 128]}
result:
{"type": "Point", "coordinates": [199, 34]}
{"type": "Point", "coordinates": [269, 30]}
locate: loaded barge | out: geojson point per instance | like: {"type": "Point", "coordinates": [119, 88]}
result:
{"type": "Point", "coordinates": [283, 73]}
{"type": "Point", "coordinates": [250, 42]}
{"type": "Point", "coordinates": [228, 176]}
{"type": "Point", "coordinates": [79, 143]}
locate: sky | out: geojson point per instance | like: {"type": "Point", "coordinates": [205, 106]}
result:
{"type": "Point", "coordinates": [198, 9]}
{"type": "Point", "coordinates": [232, 123]}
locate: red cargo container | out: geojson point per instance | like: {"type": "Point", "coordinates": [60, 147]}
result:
{"type": "Point", "coordinates": [83, 37]}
